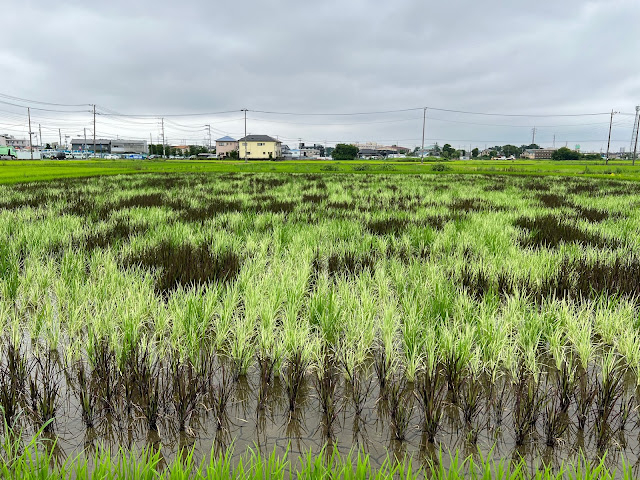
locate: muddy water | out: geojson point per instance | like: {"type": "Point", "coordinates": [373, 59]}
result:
{"type": "Point", "coordinates": [275, 427]}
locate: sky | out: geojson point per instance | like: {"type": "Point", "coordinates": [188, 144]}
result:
{"type": "Point", "coordinates": [329, 71]}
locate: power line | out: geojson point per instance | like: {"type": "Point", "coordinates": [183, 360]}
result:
{"type": "Point", "coordinates": [19, 99]}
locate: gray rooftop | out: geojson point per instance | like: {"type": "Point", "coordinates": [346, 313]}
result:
{"type": "Point", "coordinates": [259, 138]}
{"type": "Point", "coordinates": [226, 139]}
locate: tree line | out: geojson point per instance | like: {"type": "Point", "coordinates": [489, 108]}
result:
{"type": "Point", "coordinates": [159, 149]}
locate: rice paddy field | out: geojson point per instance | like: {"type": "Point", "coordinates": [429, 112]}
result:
{"type": "Point", "coordinates": [320, 325]}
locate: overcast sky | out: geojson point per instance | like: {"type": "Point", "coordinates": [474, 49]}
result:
{"type": "Point", "coordinates": [164, 57]}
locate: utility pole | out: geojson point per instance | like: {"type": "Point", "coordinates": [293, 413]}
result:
{"type": "Point", "coordinates": [634, 135]}
{"type": "Point", "coordinates": [59, 139]}
{"type": "Point", "coordinates": [533, 137]}
{"type": "Point", "coordinates": [94, 131]}
{"type": "Point", "coordinates": [84, 147]}
{"type": "Point", "coordinates": [30, 133]}
{"type": "Point", "coordinates": [424, 121]}
{"type": "Point", "coordinates": [40, 131]}
{"type": "Point", "coordinates": [609, 140]}
{"type": "Point", "coordinates": [150, 143]}
{"type": "Point", "coordinates": [163, 152]}
{"type": "Point", "coordinates": [245, 134]}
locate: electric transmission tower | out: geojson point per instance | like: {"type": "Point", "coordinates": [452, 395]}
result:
{"type": "Point", "coordinates": [634, 135]}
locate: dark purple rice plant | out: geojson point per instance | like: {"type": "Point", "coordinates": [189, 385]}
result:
{"type": "Point", "coordinates": [358, 387]}
{"type": "Point", "coordinates": [85, 390]}
{"type": "Point", "coordinates": [584, 395]}
{"type": "Point", "coordinates": [471, 400]}
{"type": "Point", "coordinates": [266, 366]}
{"type": "Point", "coordinates": [401, 401]}
{"type": "Point", "coordinates": [609, 390]}
{"type": "Point", "coordinates": [150, 388]}
{"type": "Point", "coordinates": [187, 386]}
{"type": "Point", "coordinates": [454, 368]}
{"type": "Point", "coordinates": [529, 402]}
{"type": "Point", "coordinates": [565, 386]}
{"type": "Point", "coordinates": [106, 374]}
{"type": "Point", "coordinates": [555, 420]}
{"type": "Point", "coordinates": [44, 390]}
{"type": "Point", "coordinates": [295, 369]}
{"type": "Point", "coordinates": [430, 390]}
{"type": "Point", "coordinates": [326, 382]}
{"type": "Point", "coordinates": [13, 378]}
{"type": "Point", "coordinates": [220, 394]}
{"type": "Point", "coordinates": [382, 365]}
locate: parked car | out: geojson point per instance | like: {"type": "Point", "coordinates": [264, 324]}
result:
{"type": "Point", "coordinates": [59, 156]}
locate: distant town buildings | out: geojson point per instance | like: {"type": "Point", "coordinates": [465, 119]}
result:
{"type": "Point", "coordinates": [11, 141]}
{"type": "Point", "coordinates": [226, 145]}
{"type": "Point", "coordinates": [538, 153]}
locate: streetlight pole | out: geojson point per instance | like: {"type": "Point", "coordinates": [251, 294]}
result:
{"type": "Point", "coordinates": [245, 135]}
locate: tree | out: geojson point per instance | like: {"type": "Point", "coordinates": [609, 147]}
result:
{"type": "Point", "coordinates": [508, 150]}
{"type": "Point", "coordinates": [564, 153]}
{"type": "Point", "coordinates": [533, 146]}
{"type": "Point", "coordinates": [233, 154]}
{"type": "Point", "coordinates": [475, 152]}
{"type": "Point", "coordinates": [448, 150]}
{"type": "Point", "coordinates": [344, 152]}
{"type": "Point", "coordinates": [48, 146]}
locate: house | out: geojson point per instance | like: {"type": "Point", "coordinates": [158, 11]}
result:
{"type": "Point", "coordinates": [286, 152]}
{"type": "Point", "coordinates": [226, 145]}
{"type": "Point", "coordinates": [181, 149]}
{"type": "Point", "coordinates": [311, 151]}
{"type": "Point", "coordinates": [260, 147]}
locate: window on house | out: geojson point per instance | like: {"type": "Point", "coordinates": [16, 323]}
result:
{"type": "Point", "coordinates": [261, 144]}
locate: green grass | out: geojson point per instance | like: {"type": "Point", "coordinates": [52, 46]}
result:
{"type": "Point", "coordinates": [25, 171]}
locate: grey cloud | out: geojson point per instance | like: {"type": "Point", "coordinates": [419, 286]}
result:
{"type": "Point", "coordinates": [197, 56]}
